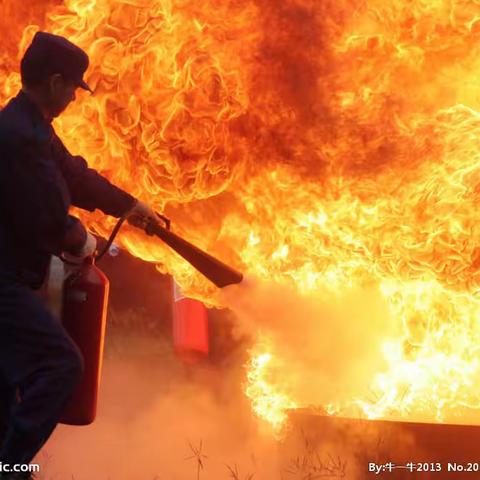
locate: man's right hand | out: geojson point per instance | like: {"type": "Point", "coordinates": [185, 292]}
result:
{"type": "Point", "coordinates": [77, 240]}
{"type": "Point", "coordinates": [88, 248]}
{"type": "Point", "coordinates": [75, 236]}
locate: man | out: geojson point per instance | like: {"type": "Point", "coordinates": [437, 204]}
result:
{"type": "Point", "coordinates": [39, 363]}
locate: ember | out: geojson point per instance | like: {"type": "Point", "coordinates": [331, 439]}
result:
{"type": "Point", "coordinates": [323, 145]}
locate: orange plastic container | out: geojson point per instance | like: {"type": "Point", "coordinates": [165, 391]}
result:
{"type": "Point", "coordinates": [190, 327]}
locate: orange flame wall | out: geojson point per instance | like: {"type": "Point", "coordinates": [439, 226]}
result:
{"type": "Point", "coordinates": [291, 139]}
{"type": "Point", "coordinates": [324, 144]}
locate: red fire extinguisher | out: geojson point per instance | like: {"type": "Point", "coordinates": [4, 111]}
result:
{"type": "Point", "coordinates": [84, 312]}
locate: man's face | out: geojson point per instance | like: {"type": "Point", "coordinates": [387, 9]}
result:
{"type": "Point", "coordinates": [61, 93]}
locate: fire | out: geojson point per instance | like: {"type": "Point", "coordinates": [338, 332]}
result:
{"type": "Point", "coordinates": [268, 402]}
{"type": "Point", "coordinates": [321, 144]}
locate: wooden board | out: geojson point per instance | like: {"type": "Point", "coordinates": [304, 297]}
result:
{"type": "Point", "coordinates": [319, 446]}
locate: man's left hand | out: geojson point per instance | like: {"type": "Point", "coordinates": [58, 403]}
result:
{"type": "Point", "coordinates": [141, 214]}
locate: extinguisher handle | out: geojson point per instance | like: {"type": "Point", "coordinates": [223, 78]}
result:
{"type": "Point", "coordinates": [165, 220]}
{"type": "Point", "coordinates": [150, 226]}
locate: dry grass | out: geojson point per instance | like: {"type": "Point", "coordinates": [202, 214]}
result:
{"type": "Point", "coordinates": [311, 464]}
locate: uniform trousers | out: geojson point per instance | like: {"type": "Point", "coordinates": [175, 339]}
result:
{"type": "Point", "coordinates": [40, 365]}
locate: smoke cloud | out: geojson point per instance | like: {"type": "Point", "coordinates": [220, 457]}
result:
{"type": "Point", "coordinates": [331, 347]}
{"type": "Point", "coordinates": [158, 419]}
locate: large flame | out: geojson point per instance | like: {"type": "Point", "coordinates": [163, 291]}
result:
{"type": "Point", "coordinates": [322, 144]}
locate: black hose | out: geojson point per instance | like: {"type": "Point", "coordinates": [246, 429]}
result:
{"type": "Point", "coordinates": [114, 233]}
{"type": "Point", "coordinates": [111, 238]}
{"type": "Point", "coordinates": [117, 227]}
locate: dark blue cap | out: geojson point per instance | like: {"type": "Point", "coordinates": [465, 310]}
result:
{"type": "Point", "coordinates": [49, 54]}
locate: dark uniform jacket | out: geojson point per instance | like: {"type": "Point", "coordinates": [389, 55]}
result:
{"type": "Point", "coordinates": [39, 180]}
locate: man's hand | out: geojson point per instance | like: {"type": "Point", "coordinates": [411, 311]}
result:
{"type": "Point", "coordinates": [88, 247]}
{"type": "Point", "coordinates": [141, 214]}
{"type": "Point", "coordinates": [86, 250]}
{"type": "Point", "coordinates": [75, 236]}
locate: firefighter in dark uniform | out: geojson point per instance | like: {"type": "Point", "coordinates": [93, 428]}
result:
{"type": "Point", "coordinates": [39, 179]}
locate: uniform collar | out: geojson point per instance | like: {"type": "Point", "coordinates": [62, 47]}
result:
{"type": "Point", "coordinates": [41, 126]}
{"type": "Point", "coordinates": [32, 110]}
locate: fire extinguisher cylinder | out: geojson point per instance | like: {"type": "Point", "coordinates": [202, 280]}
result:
{"type": "Point", "coordinates": [84, 311]}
